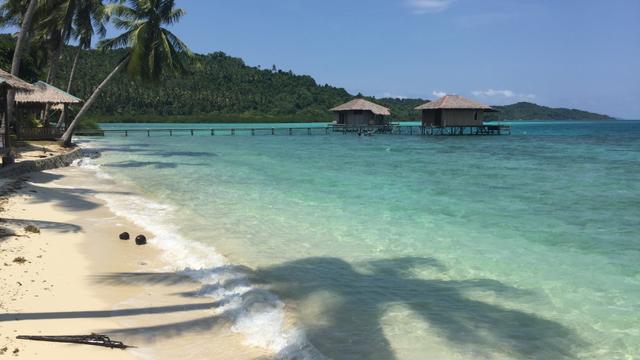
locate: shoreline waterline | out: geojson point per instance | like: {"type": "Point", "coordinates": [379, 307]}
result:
{"type": "Point", "coordinates": [257, 316]}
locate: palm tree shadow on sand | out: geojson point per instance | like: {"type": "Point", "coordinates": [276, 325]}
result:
{"type": "Point", "coordinates": [351, 325]}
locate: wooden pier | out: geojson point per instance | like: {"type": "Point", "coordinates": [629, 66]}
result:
{"type": "Point", "coordinates": [308, 131]}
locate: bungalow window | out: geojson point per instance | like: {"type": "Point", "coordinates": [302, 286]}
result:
{"type": "Point", "coordinates": [357, 112]}
{"type": "Point", "coordinates": [475, 116]}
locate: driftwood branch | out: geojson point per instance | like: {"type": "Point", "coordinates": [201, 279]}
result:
{"type": "Point", "coordinates": [93, 339]}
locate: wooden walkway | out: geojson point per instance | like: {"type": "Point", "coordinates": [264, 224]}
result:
{"type": "Point", "coordinates": [291, 131]}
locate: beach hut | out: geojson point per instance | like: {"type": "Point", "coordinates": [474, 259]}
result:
{"type": "Point", "coordinates": [45, 96]}
{"type": "Point", "coordinates": [44, 93]}
{"type": "Point", "coordinates": [8, 82]}
{"type": "Point", "coordinates": [453, 111]}
{"type": "Point", "coordinates": [360, 112]}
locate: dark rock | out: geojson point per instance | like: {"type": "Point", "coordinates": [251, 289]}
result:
{"type": "Point", "coordinates": [141, 240]}
{"type": "Point", "coordinates": [124, 236]}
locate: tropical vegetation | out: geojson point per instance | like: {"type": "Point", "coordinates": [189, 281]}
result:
{"type": "Point", "coordinates": [149, 49]}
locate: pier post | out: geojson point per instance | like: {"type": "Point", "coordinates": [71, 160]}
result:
{"type": "Point", "coordinates": [233, 131]}
{"type": "Point", "coordinates": [191, 132]}
{"type": "Point", "coordinates": [213, 132]}
{"type": "Point", "coordinates": [148, 133]}
{"type": "Point", "coordinates": [170, 132]}
{"type": "Point", "coordinates": [273, 131]}
{"type": "Point", "coordinates": [253, 132]}
{"type": "Point", "coordinates": [126, 133]}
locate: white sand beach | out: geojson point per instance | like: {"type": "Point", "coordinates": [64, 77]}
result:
{"type": "Point", "coordinates": [74, 278]}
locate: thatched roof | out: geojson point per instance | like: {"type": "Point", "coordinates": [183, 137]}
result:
{"type": "Point", "coordinates": [362, 104]}
{"type": "Point", "coordinates": [454, 102]}
{"type": "Point", "coordinates": [46, 94]}
{"type": "Point", "coordinates": [14, 82]}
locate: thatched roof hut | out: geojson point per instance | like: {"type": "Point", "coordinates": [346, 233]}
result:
{"type": "Point", "coordinates": [360, 112]}
{"type": "Point", "coordinates": [452, 111]}
{"type": "Point", "coordinates": [46, 94]}
{"type": "Point", "coordinates": [8, 82]}
{"type": "Point", "coordinates": [454, 102]}
{"type": "Point", "coordinates": [13, 82]}
{"type": "Point", "coordinates": [362, 105]}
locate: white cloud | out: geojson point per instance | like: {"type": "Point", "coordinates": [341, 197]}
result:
{"type": "Point", "coordinates": [387, 94]}
{"type": "Point", "coordinates": [439, 93]}
{"type": "Point", "coordinates": [428, 6]}
{"type": "Point", "coordinates": [508, 94]}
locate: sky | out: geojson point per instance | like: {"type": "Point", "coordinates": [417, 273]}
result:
{"type": "Point", "coordinates": [567, 53]}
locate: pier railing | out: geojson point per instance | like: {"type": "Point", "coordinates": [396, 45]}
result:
{"type": "Point", "coordinates": [317, 130]}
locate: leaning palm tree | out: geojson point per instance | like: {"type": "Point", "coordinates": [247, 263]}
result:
{"type": "Point", "coordinates": [25, 27]}
{"type": "Point", "coordinates": [152, 50]}
{"type": "Point", "coordinates": [26, 15]}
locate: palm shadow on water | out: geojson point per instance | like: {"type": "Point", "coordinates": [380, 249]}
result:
{"type": "Point", "coordinates": [353, 322]}
{"type": "Point", "coordinates": [351, 325]}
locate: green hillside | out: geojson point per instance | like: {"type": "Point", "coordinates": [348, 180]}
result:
{"type": "Point", "coordinates": [221, 88]}
{"type": "Point", "coordinates": [217, 88]}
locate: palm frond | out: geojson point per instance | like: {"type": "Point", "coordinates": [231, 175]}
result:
{"type": "Point", "coordinates": [120, 41]}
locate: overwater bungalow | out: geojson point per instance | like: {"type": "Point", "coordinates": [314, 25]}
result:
{"type": "Point", "coordinates": [453, 111]}
{"type": "Point", "coordinates": [361, 113]}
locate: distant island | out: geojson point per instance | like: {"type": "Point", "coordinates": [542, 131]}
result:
{"type": "Point", "coordinates": [221, 88]}
{"type": "Point", "coordinates": [530, 111]}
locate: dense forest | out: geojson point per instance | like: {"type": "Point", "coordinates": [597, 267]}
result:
{"type": "Point", "coordinates": [216, 87]}
{"type": "Point", "coordinates": [221, 88]}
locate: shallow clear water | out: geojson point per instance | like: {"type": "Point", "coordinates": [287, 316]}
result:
{"type": "Point", "coordinates": [409, 247]}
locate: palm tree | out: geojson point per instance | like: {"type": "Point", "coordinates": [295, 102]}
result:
{"type": "Point", "coordinates": [151, 49]}
{"type": "Point", "coordinates": [25, 27]}
{"type": "Point", "coordinates": [66, 20]}
{"type": "Point", "coordinates": [89, 20]}
{"type": "Point", "coordinates": [73, 19]}
{"type": "Point", "coordinates": [22, 14]}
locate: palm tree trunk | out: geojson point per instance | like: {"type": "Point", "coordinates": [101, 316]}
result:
{"type": "Point", "coordinates": [51, 74]}
{"type": "Point", "coordinates": [22, 37]}
{"type": "Point", "coordinates": [68, 134]}
{"type": "Point", "coordinates": [71, 75]}
{"type": "Point", "coordinates": [15, 69]}
{"type": "Point", "coordinates": [53, 65]}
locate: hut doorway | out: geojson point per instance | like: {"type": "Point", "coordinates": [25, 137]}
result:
{"type": "Point", "coordinates": [437, 121]}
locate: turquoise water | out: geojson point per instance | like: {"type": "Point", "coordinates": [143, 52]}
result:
{"type": "Point", "coordinates": [409, 247]}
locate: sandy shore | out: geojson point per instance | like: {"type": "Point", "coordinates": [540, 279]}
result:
{"type": "Point", "coordinates": [75, 277]}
